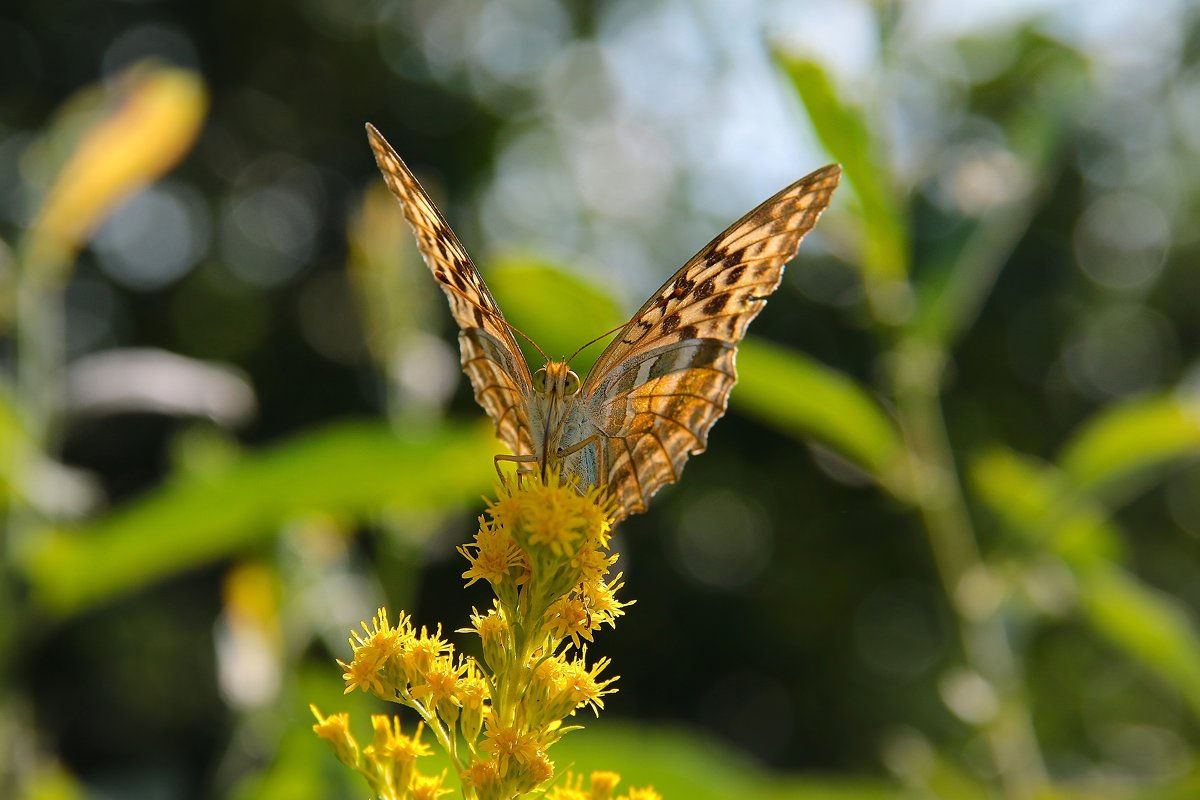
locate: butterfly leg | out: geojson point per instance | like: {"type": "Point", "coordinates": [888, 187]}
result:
{"type": "Point", "coordinates": [563, 452]}
{"type": "Point", "coordinates": [521, 462]}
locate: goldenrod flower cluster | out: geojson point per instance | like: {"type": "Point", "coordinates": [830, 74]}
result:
{"type": "Point", "coordinates": [543, 548]}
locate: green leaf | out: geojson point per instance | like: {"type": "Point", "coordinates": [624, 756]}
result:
{"type": "Point", "coordinates": [955, 286]}
{"type": "Point", "coordinates": [15, 446]}
{"type": "Point", "coordinates": [1041, 506]}
{"type": "Point", "coordinates": [804, 398]}
{"type": "Point", "coordinates": [348, 469]}
{"type": "Point", "coordinates": [1145, 624]}
{"type": "Point", "coordinates": [679, 764]}
{"type": "Point", "coordinates": [1126, 440]}
{"type": "Point", "coordinates": [845, 132]}
{"type": "Point", "coordinates": [558, 310]}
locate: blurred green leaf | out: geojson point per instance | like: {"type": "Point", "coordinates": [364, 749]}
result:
{"type": "Point", "coordinates": [558, 310]}
{"type": "Point", "coordinates": [926, 772]}
{"type": "Point", "coordinates": [846, 133]}
{"type": "Point", "coordinates": [1041, 506]}
{"type": "Point", "coordinates": [803, 398]}
{"type": "Point", "coordinates": [1146, 625]}
{"type": "Point", "coordinates": [15, 447]}
{"type": "Point", "coordinates": [679, 764]}
{"type": "Point", "coordinates": [954, 288]}
{"type": "Point", "coordinates": [301, 765]}
{"type": "Point", "coordinates": [1128, 439]}
{"type": "Point", "coordinates": [956, 283]}
{"type": "Point", "coordinates": [351, 469]}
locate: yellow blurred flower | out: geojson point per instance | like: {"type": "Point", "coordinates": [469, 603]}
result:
{"type": "Point", "coordinates": [155, 117]}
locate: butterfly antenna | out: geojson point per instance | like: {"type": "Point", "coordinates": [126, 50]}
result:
{"type": "Point", "coordinates": [591, 342]}
{"type": "Point", "coordinates": [495, 315]}
{"type": "Point", "coordinates": [523, 335]}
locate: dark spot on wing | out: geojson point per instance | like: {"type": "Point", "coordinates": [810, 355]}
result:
{"type": "Point", "coordinates": [716, 305]}
{"type": "Point", "coordinates": [705, 289]}
{"type": "Point", "coordinates": [687, 332]}
{"type": "Point", "coordinates": [670, 322]}
{"type": "Point", "coordinates": [682, 286]}
{"type": "Point", "coordinates": [734, 275]}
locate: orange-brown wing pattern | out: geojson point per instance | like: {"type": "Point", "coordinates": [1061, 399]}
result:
{"type": "Point", "coordinates": [490, 355]}
{"type": "Point", "coordinates": [665, 380]}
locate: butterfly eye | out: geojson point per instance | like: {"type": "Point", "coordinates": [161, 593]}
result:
{"type": "Point", "coordinates": [539, 380]}
{"type": "Point", "coordinates": [571, 383]}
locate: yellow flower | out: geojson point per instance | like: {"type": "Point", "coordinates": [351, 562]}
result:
{"type": "Point", "coordinates": [549, 516]}
{"type": "Point", "coordinates": [381, 636]}
{"type": "Point", "coordinates": [335, 729]}
{"type": "Point", "coordinates": [441, 679]}
{"type": "Point", "coordinates": [362, 674]}
{"type": "Point", "coordinates": [472, 695]}
{"type": "Point", "coordinates": [508, 744]}
{"type": "Point", "coordinates": [603, 785]}
{"type": "Point", "coordinates": [427, 787]}
{"type": "Point", "coordinates": [571, 788]}
{"type": "Point", "coordinates": [536, 772]}
{"type": "Point", "coordinates": [495, 555]}
{"type": "Point", "coordinates": [592, 564]}
{"type": "Point", "coordinates": [580, 683]}
{"type": "Point", "coordinates": [603, 603]}
{"type": "Point", "coordinates": [393, 753]}
{"type": "Point", "coordinates": [421, 651]}
{"type": "Point", "coordinates": [540, 547]}
{"type": "Point", "coordinates": [373, 649]}
{"type": "Point", "coordinates": [153, 119]}
{"type": "Point", "coordinates": [569, 616]}
{"type": "Point", "coordinates": [440, 690]}
{"type": "Point", "coordinates": [484, 777]}
{"type": "Point", "coordinates": [598, 516]}
{"type": "Point", "coordinates": [645, 793]}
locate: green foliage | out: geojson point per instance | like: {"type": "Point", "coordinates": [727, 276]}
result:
{"type": "Point", "coordinates": [845, 131]}
{"type": "Point", "coordinates": [1004, 189]}
{"type": "Point", "coordinates": [803, 398]}
{"type": "Point", "coordinates": [547, 303]}
{"type": "Point", "coordinates": [1129, 439]}
{"type": "Point", "coordinates": [678, 763]}
{"type": "Point", "coordinates": [350, 470]}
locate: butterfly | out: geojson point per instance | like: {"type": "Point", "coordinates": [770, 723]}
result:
{"type": "Point", "coordinates": [650, 399]}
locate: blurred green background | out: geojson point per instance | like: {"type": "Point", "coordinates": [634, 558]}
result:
{"type": "Point", "coordinates": [945, 544]}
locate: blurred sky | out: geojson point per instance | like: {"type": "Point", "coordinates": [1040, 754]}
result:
{"type": "Point", "coordinates": [618, 154]}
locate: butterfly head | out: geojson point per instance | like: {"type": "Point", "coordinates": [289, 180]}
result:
{"type": "Point", "coordinates": [556, 379]}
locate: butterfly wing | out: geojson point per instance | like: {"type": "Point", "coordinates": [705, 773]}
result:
{"type": "Point", "coordinates": [490, 355]}
{"type": "Point", "coordinates": [657, 389]}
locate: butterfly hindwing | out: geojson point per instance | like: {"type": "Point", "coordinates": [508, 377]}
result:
{"type": "Point", "coordinates": [657, 389]}
{"type": "Point", "coordinates": [490, 355]}
{"type": "Point", "coordinates": [663, 382]}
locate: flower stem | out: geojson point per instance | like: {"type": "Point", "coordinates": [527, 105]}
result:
{"type": "Point", "coordinates": [938, 497]}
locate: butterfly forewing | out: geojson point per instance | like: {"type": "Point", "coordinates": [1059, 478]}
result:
{"type": "Point", "coordinates": [490, 356]}
{"type": "Point", "coordinates": [658, 388]}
